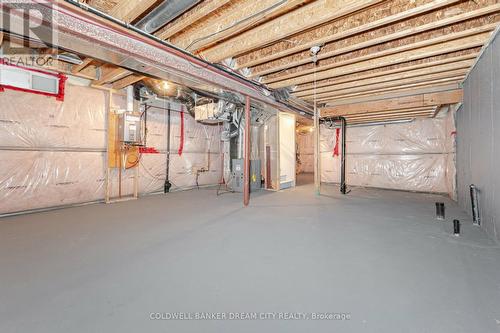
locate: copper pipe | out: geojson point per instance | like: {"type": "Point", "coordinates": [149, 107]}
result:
{"type": "Point", "coordinates": [246, 156]}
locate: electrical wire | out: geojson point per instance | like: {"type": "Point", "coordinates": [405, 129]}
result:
{"type": "Point", "coordinates": [236, 23]}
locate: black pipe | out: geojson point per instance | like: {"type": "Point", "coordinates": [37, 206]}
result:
{"type": "Point", "coordinates": [474, 200]}
{"type": "Point", "coordinates": [343, 186]}
{"type": "Point", "coordinates": [440, 210]}
{"type": "Point", "coordinates": [456, 227]}
{"type": "Point", "coordinates": [167, 185]}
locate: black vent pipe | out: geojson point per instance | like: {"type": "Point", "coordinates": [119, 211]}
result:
{"type": "Point", "coordinates": [343, 128]}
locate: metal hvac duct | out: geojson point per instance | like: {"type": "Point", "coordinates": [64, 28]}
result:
{"type": "Point", "coordinates": [86, 31]}
{"type": "Point", "coordinates": [167, 11]}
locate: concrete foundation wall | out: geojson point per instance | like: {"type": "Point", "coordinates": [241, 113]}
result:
{"type": "Point", "coordinates": [478, 139]}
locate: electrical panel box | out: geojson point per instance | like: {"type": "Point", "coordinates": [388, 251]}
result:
{"type": "Point", "coordinates": [255, 175]}
{"type": "Point", "coordinates": [129, 128]}
{"type": "Point", "coordinates": [237, 173]}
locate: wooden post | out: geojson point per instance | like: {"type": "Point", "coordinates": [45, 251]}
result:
{"type": "Point", "coordinates": [246, 156]}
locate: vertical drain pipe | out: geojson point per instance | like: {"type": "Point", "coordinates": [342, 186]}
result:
{"type": "Point", "coordinates": [342, 166]}
{"type": "Point", "coordinates": [167, 185]}
{"type": "Point", "coordinates": [474, 200]}
{"type": "Point", "coordinates": [246, 171]}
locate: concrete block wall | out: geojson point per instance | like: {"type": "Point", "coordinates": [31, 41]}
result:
{"type": "Point", "coordinates": [478, 139]}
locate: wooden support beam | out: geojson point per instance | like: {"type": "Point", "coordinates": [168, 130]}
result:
{"type": "Point", "coordinates": [391, 112]}
{"type": "Point", "coordinates": [415, 76]}
{"type": "Point", "coordinates": [351, 32]}
{"type": "Point", "coordinates": [1, 38]}
{"type": "Point", "coordinates": [127, 80]}
{"type": "Point", "coordinates": [374, 96]}
{"type": "Point", "coordinates": [380, 40]}
{"type": "Point", "coordinates": [474, 37]}
{"type": "Point", "coordinates": [129, 10]}
{"type": "Point", "coordinates": [428, 113]}
{"type": "Point", "coordinates": [378, 89]}
{"type": "Point", "coordinates": [307, 17]}
{"type": "Point", "coordinates": [394, 103]}
{"type": "Point", "coordinates": [425, 49]}
{"type": "Point", "coordinates": [388, 119]}
{"type": "Point", "coordinates": [191, 17]}
{"type": "Point", "coordinates": [80, 67]}
{"type": "Point", "coordinates": [110, 73]}
{"type": "Point", "coordinates": [426, 67]}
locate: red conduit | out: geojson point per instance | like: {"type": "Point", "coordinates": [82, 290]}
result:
{"type": "Point", "coordinates": [181, 143]}
{"type": "Point", "coordinates": [336, 148]}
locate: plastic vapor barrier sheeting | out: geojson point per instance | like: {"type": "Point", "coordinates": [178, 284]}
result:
{"type": "Point", "coordinates": [54, 153]}
{"type": "Point", "coordinates": [414, 156]}
{"type": "Point", "coordinates": [305, 152]}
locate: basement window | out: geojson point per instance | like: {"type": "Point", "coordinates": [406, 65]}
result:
{"type": "Point", "coordinates": [32, 80]}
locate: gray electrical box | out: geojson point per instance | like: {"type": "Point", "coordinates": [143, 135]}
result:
{"type": "Point", "coordinates": [129, 128]}
{"type": "Point", "coordinates": [255, 175]}
{"type": "Point", "coordinates": [237, 173]}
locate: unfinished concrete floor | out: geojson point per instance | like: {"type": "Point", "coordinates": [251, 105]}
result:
{"type": "Point", "coordinates": [378, 255]}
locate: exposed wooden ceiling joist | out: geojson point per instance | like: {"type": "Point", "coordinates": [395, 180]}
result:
{"type": "Point", "coordinates": [375, 96]}
{"type": "Point", "coordinates": [395, 103]}
{"type": "Point", "coordinates": [429, 67]}
{"type": "Point", "coordinates": [304, 18]}
{"type": "Point", "coordinates": [129, 10]}
{"type": "Point", "coordinates": [382, 88]}
{"type": "Point", "coordinates": [411, 76]}
{"type": "Point", "coordinates": [371, 49]}
{"type": "Point", "coordinates": [231, 22]}
{"type": "Point", "coordinates": [441, 45]}
{"type": "Point", "coordinates": [350, 32]}
{"type": "Point", "coordinates": [84, 64]}
{"type": "Point", "coordinates": [127, 80]}
{"type": "Point", "coordinates": [111, 74]}
{"type": "Point", "coordinates": [191, 17]}
{"type": "Point", "coordinates": [379, 40]}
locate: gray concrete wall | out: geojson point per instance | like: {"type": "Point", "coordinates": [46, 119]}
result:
{"type": "Point", "coordinates": [478, 139]}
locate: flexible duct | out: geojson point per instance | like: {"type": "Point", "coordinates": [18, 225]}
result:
{"type": "Point", "coordinates": [164, 13]}
{"type": "Point", "coordinates": [166, 89]}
